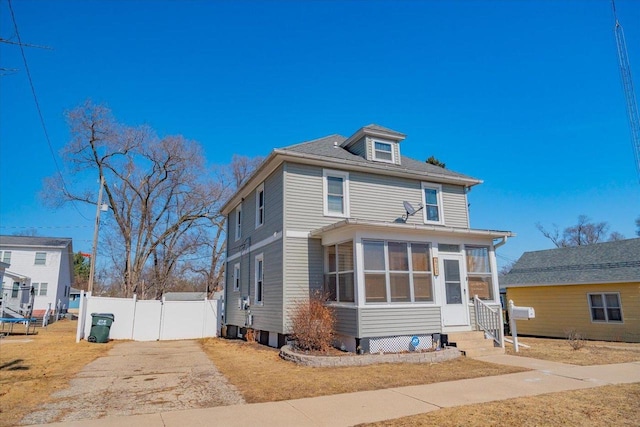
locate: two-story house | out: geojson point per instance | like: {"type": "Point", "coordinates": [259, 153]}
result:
{"type": "Point", "coordinates": [42, 263]}
{"type": "Point", "coordinates": [387, 237]}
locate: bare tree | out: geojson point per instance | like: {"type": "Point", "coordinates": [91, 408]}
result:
{"type": "Point", "coordinates": [160, 192]}
{"type": "Point", "coordinates": [584, 232]}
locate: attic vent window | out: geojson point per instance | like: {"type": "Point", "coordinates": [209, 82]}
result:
{"type": "Point", "coordinates": [382, 151]}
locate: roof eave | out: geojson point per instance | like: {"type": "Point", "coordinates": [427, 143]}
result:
{"type": "Point", "coordinates": [438, 229]}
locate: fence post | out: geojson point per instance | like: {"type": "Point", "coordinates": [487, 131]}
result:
{"type": "Point", "coordinates": [82, 311]}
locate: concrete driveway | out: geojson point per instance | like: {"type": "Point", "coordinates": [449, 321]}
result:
{"type": "Point", "coordinates": [141, 378]}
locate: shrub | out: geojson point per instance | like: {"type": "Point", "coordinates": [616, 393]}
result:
{"type": "Point", "coordinates": [313, 324]}
{"type": "Point", "coordinates": [575, 339]}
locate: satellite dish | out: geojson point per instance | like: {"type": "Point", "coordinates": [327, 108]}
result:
{"type": "Point", "coordinates": [410, 209]}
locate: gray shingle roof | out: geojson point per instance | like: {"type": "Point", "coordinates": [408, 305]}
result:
{"type": "Point", "coordinates": [34, 241]}
{"type": "Point", "coordinates": [599, 263]}
{"type": "Point", "coordinates": [326, 147]}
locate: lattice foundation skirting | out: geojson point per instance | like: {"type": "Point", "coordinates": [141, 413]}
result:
{"type": "Point", "coordinates": [400, 344]}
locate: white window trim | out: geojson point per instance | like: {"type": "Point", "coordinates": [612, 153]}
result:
{"type": "Point", "coordinates": [35, 260]}
{"type": "Point", "coordinates": [438, 188]}
{"type": "Point", "coordinates": [604, 301]}
{"type": "Point", "coordinates": [237, 224]}
{"type": "Point", "coordinates": [258, 258]}
{"type": "Point", "coordinates": [382, 141]}
{"type": "Point", "coordinates": [337, 273]}
{"type": "Point", "coordinates": [236, 277]}
{"type": "Point", "coordinates": [345, 189]}
{"type": "Point", "coordinates": [258, 207]}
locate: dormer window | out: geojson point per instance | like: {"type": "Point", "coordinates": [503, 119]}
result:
{"type": "Point", "coordinates": [383, 151]}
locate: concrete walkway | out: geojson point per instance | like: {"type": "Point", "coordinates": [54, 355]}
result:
{"type": "Point", "coordinates": [370, 406]}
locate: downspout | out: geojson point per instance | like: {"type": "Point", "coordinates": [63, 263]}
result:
{"type": "Point", "coordinates": [504, 240]}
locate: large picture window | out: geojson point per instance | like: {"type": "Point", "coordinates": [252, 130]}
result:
{"type": "Point", "coordinates": [338, 280]}
{"type": "Point", "coordinates": [397, 272]}
{"type": "Point", "coordinates": [479, 272]}
{"type": "Point", "coordinates": [605, 307]}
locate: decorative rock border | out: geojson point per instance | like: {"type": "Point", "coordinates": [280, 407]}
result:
{"type": "Point", "coordinates": [448, 353]}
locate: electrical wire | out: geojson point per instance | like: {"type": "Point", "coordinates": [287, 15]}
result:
{"type": "Point", "coordinates": [35, 98]}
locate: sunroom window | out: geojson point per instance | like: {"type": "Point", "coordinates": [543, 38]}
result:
{"type": "Point", "coordinates": [338, 280]}
{"type": "Point", "coordinates": [479, 272]}
{"type": "Point", "coordinates": [397, 272]}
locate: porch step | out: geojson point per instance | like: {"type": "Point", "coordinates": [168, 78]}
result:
{"type": "Point", "coordinates": [474, 344]}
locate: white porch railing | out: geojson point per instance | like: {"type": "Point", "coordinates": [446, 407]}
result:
{"type": "Point", "coordinates": [489, 320]}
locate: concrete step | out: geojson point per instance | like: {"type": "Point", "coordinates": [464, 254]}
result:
{"type": "Point", "coordinates": [474, 344]}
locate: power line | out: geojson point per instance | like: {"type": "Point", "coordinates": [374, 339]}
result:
{"type": "Point", "coordinates": [35, 98]}
{"type": "Point", "coordinates": [43, 226]}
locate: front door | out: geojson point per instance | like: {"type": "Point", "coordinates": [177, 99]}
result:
{"type": "Point", "coordinates": [455, 310]}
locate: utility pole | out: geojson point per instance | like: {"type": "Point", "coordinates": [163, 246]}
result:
{"type": "Point", "coordinates": [94, 250]}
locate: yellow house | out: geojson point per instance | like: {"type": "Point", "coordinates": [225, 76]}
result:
{"type": "Point", "coordinates": [593, 290]}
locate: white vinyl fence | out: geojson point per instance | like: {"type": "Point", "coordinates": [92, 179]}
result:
{"type": "Point", "coordinates": [151, 320]}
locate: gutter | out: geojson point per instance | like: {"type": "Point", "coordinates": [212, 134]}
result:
{"type": "Point", "coordinates": [502, 242]}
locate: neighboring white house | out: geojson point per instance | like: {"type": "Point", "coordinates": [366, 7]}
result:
{"type": "Point", "coordinates": [42, 263]}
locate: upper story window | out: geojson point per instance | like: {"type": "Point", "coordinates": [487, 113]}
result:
{"type": "Point", "coordinates": [335, 186]}
{"type": "Point", "coordinates": [238, 221]}
{"type": "Point", "coordinates": [432, 201]}
{"type": "Point", "coordinates": [383, 151]}
{"type": "Point", "coordinates": [605, 307]}
{"type": "Point", "coordinates": [6, 257]}
{"type": "Point", "coordinates": [41, 258]}
{"type": "Point", "coordinates": [479, 272]}
{"type": "Point", "coordinates": [260, 205]}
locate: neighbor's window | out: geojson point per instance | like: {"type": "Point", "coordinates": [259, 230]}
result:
{"type": "Point", "coordinates": [479, 272]}
{"type": "Point", "coordinates": [338, 280]}
{"type": "Point", "coordinates": [605, 307]}
{"type": "Point", "coordinates": [259, 280]}
{"type": "Point", "coordinates": [236, 277]}
{"type": "Point", "coordinates": [15, 289]}
{"type": "Point", "coordinates": [382, 151]}
{"type": "Point", "coordinates": [260, 205]}
{"type": "Point", "coordinates": [41, 258]}
{"type": "Point", "coordinates": [336, 193]}
{"type": "Point", "coordinates": [431, 199]}
{"type": "Point", "coordinates": [238, 221]}
{"type": "Point", "coordinates": [397, 271]}
{"type": "Point", "coordinates": [6, 257]}
{"type": "Point", "coordinates": [43, 289]}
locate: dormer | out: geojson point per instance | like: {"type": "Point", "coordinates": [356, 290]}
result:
{"type": "Point", "coordinates": [375, 143]}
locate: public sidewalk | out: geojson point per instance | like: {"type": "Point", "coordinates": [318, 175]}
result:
{"type": "Point", "coordinates": [370, 406]}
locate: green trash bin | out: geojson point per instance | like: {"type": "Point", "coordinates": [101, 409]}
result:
{"type": "Point", "coordinates": [100, 326]}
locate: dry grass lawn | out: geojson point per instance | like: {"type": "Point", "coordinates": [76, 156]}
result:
{"type": "Point", "coordinates": [259, 373]}
{"type": "Point", "coordinates": [616, 405]}
{"type": "Point", "coordinates": [593, 352]}
{"type": "Point", "coordinates": [32, 367]}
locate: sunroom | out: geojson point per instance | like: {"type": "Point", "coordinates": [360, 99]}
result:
{"type": "Point", "coordinates": [390, 283]}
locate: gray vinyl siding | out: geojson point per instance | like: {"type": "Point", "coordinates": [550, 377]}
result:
{"type": "Point", "coordinates": [360, 148]}
{"type": "Point", "coordinates": [372, 197]}
{"type": "Point", "coordinates": [346, 320]}
{"type": "Point", "coordinates": [454, 206]}
{"type": "Point", "coordinates": [389, 321]}
{"type": "Point", "coordinates": [268, 316]}
{"type": "Point", "coordinates": [304, 272]}
{"type": "Point", "coordinates": [233, 314]}
{"type": "Point", "coordinates": [273, 214]}
{"type": "Point", "coordinates": [379, 197]}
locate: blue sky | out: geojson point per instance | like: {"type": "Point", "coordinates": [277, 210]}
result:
{"type": "Point", "coordinates": [525, 95]}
